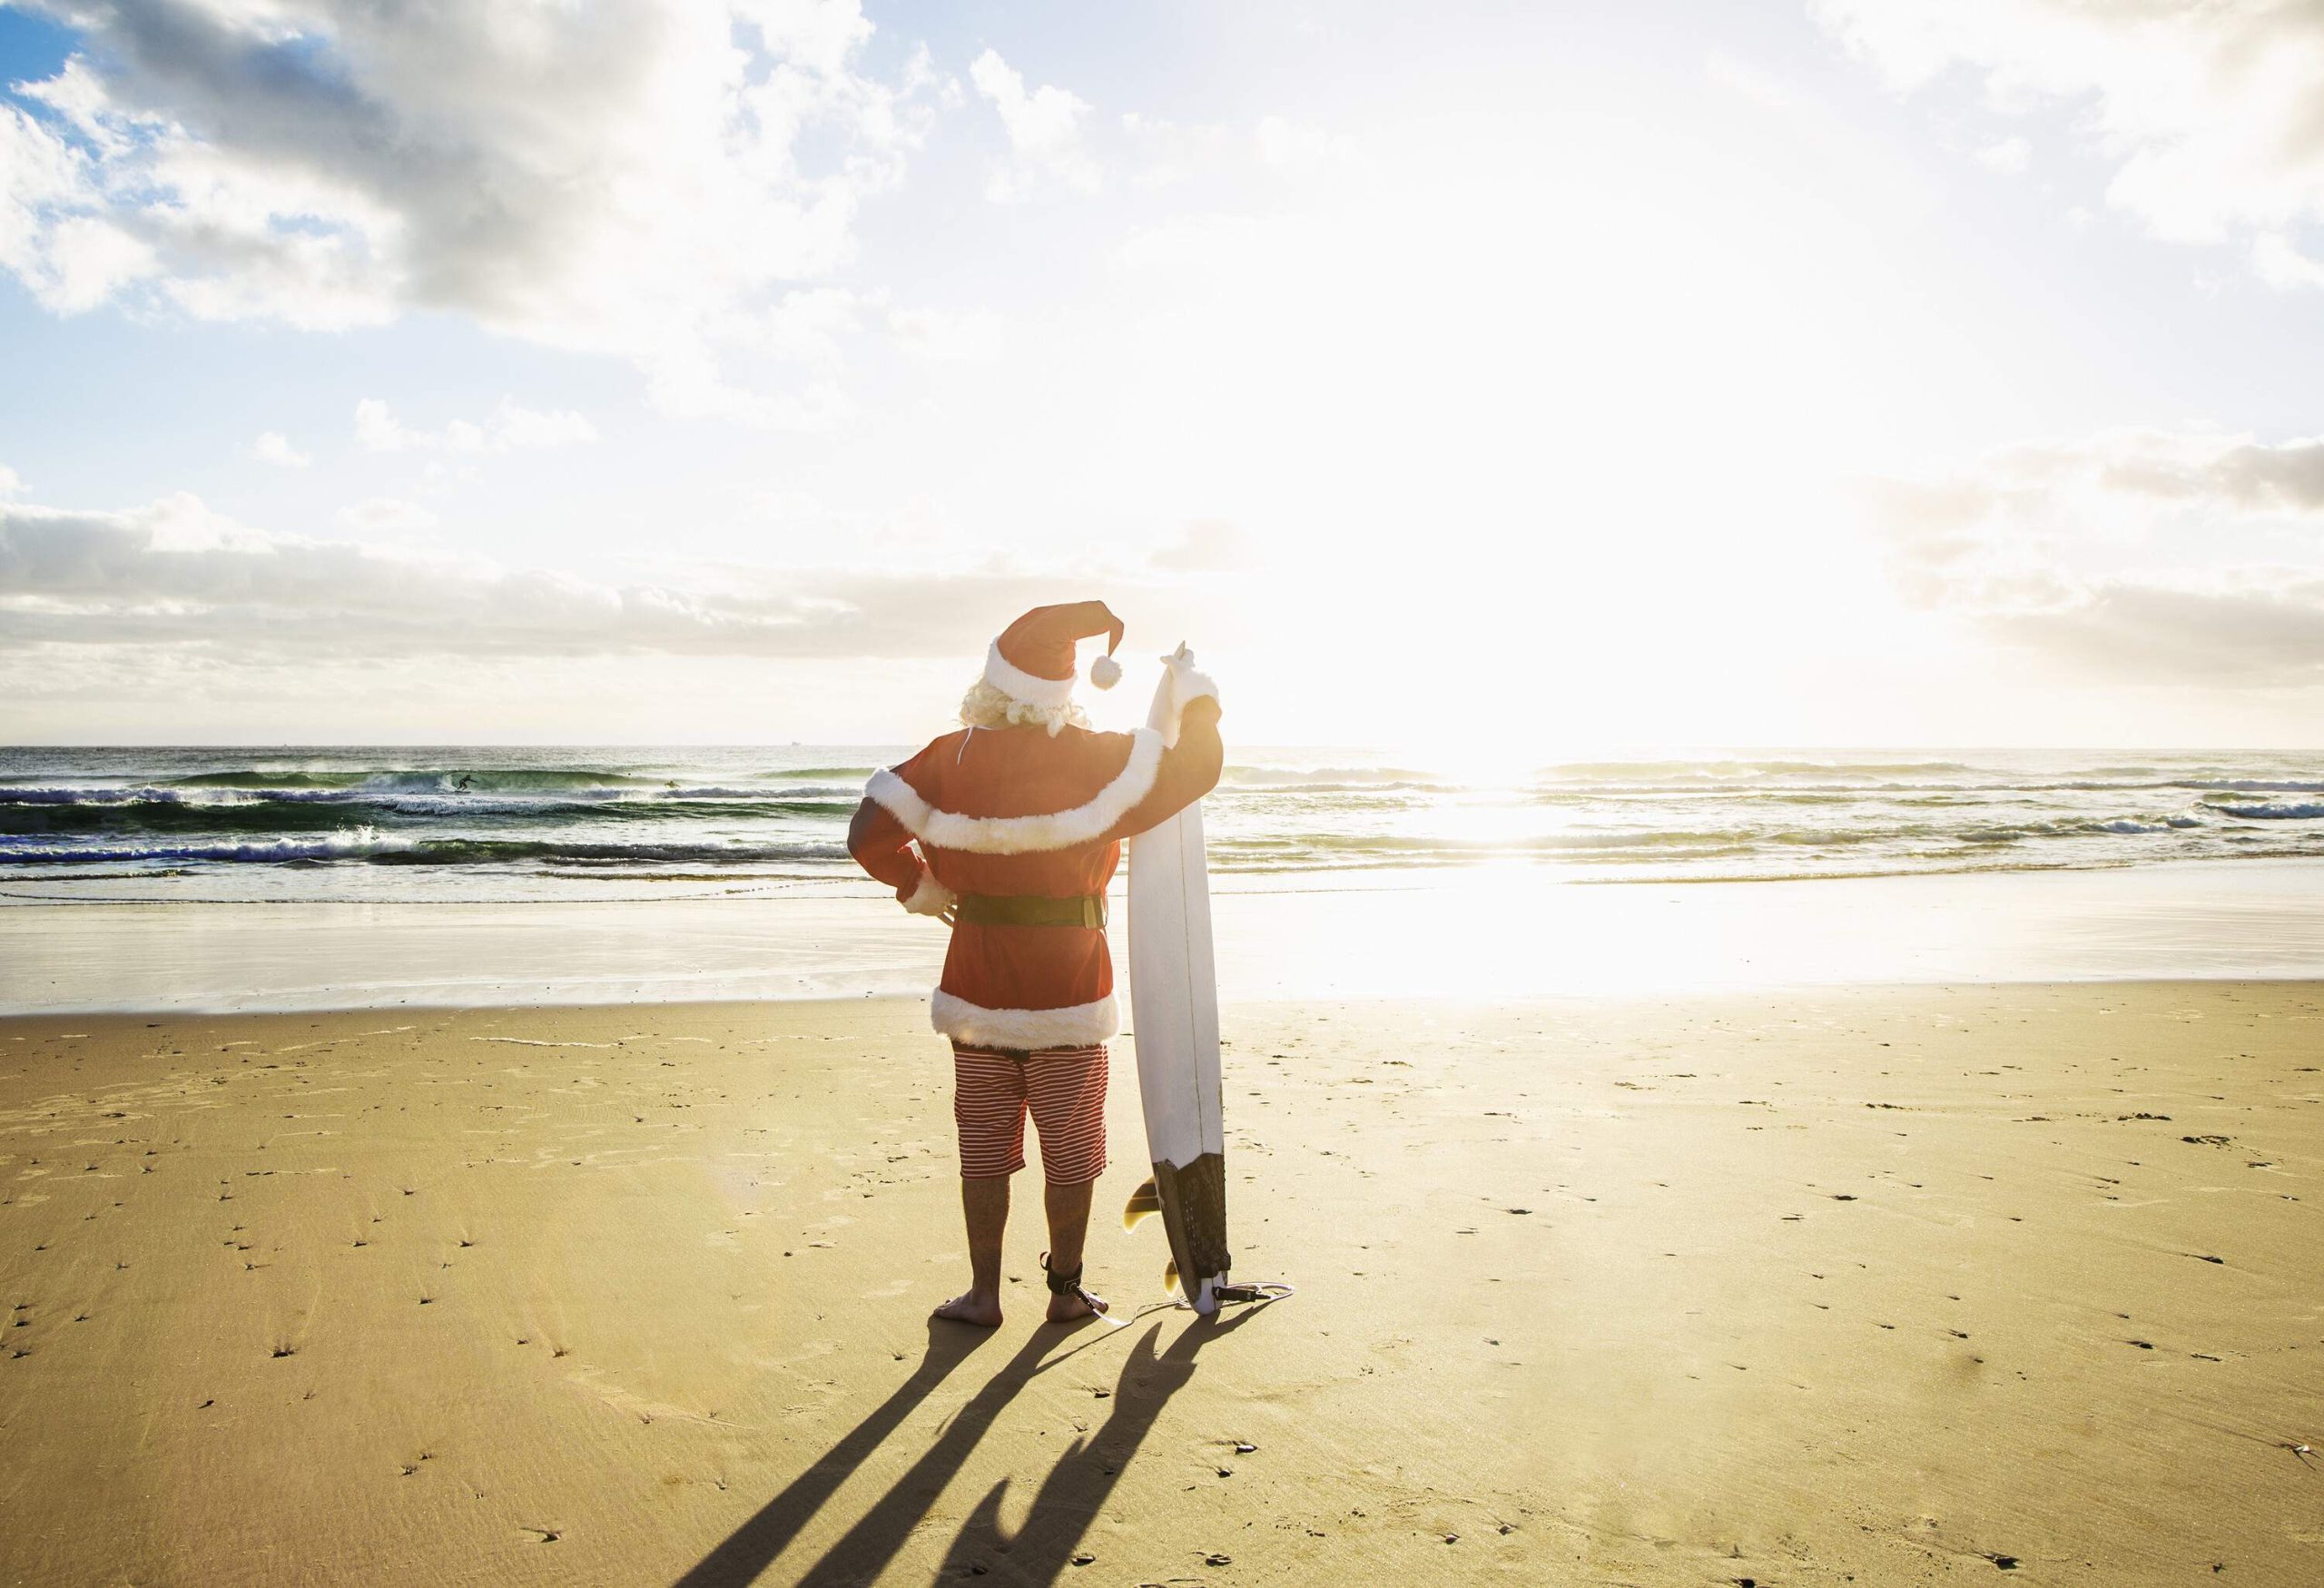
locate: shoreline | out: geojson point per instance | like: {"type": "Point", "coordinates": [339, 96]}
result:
{"type": "Point", "coordinates": [33, 1024]}
{"type": "Point", "coordinates": [1478, 933]}
{"type": "Point", "coordinates": [1845, 1284]}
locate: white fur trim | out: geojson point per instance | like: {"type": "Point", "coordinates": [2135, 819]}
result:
{"type": "Point", "coordinates": [1105, 671]}
{"type": "Point", "coordinates": [931, 897]}
{"type": "Point", "coordinates": [1077, 1025]}
{"type": "Point", "coordinates": [1013, 680]}
{"type": "Point", "coordinates": [1022, 834]}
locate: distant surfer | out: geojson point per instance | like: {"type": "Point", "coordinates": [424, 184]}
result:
{"type": "Point", "coordinates": [1017, 820]}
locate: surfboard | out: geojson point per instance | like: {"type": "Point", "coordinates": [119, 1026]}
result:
{"type": "Point", "coordinates": [1174, 1011]}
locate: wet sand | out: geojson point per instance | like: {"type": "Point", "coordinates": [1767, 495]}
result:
{"type": "Point", "coordinates": [1860, 1285]}
{"type": "Point", "coordinates": [1284, 938]}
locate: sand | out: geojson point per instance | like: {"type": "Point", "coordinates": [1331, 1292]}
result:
{"type": "Point", "coordinates": [1870, 1286]}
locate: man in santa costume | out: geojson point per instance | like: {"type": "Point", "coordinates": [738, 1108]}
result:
{"type": "Point", "coordinates": [1009, 831]}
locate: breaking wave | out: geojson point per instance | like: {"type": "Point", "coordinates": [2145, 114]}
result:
{"type": "Point", "coordinates": [363, 844]}
{"type": "Point", "coordinates": [414, 822]}
{"type": "Point", "coordinates": [2302, 812]}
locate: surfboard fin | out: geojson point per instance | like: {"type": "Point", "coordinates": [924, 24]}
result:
{"type": "Point", "coordinates": [1170, 1277]}
{"type": "Point", "coordinates": [1144, 1203]}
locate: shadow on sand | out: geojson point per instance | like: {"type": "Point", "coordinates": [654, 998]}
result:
{"type": "Point", "coordinates": [752, 1547]}
{"type": "Point", "coordinates": [1063, 1509]}
{"type": "Point", "coordinates": [1078, 1486]}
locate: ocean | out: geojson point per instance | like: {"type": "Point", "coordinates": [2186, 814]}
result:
{"type": "Point", "coordinates": [511, 825]}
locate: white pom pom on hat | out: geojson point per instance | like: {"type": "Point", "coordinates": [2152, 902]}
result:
{"type": "Point", "coordinates": [1032, 661]}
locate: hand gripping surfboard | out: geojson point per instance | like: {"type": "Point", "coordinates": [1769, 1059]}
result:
{"type": "Point", "coordinates": [1174, 1009]}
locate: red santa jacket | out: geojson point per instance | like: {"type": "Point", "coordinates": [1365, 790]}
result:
{"type": "Point", "coordinates": [1015, 811]}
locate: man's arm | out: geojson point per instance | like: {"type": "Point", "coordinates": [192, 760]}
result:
{"type": "Point", "coordinates": [1189, 770]}
{"type": "Point", "coordinates": [881, 847]}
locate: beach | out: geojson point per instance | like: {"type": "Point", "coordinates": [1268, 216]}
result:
{"type": "Point", "coordinates": [1781, 1285]}
{"type": "Point", "coordinates": [585, 589]}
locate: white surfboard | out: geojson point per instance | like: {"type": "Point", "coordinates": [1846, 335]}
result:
{"type": "Point", "coordinates": [1174, 1010]}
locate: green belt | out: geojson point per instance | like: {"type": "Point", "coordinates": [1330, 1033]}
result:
{"type": "Point", "coordinates": [1000, 910]}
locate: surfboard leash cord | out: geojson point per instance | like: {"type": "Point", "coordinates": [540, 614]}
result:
{"type": "Point", "coordinates": [1249, 1292]}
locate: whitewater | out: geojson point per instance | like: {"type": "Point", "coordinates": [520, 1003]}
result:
{"type": "Point", "coordinates": [516, 824]}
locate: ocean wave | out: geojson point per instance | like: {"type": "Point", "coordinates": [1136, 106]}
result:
{"type": "Point", "coordinates": [2254, 785]}
{"type": "Point", "coordinates": [267, 778]}
{"type": "Point", "coordinates": [302, 815]}
{"type": "Point", "coordinates": [2297, 812]}
{"type": "Point", "coordinates": [1729, 771]}
{"type": "Point", "coordinates": [111, 797]}
{"type": "Point", "coordinates": [1318, 779]}
{"type": "Point", "coordinates": [1311, 791]}
{"type": "Point", "coordinates": [283, 819]}
{"type": "Point", "coordinates": [386, 849]}
{"type": "Point", "coordinates": [1893, 792]}
{"type": "Point", "coordinates": [1706, 792]}
{"type": "Point", "coordinates": [422, 780]}
{"type": "Point", "coordinates": [1915, 868]}
{"type": "Point", "coordinates": [347, 844]}
{"type": "Point", "coordinates": [1415, 844]}
{"type": "Point", "coordinates": [1906, 837]}
{"type": "Point", "coordinates": [2067, 827]}
{"type": "Point", "coordinates": [1730, 789]}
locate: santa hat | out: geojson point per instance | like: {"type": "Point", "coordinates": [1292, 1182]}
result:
{"type": "Point", "coordinates": [1032, 661]}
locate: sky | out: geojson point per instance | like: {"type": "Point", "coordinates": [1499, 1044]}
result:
{"type": "Point", "coordinates": [1512, 381]}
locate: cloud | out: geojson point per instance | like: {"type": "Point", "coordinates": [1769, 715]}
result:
{"type": "Point", "coordinates": [387, 516]}
{"type": "Point", "coordinates": [2230, 471]}
{"type": "Point", "coordinates": [2287, 476]}
{"type": "Point", "coordinates": [1044, 129]}
{"type": "Point", "coordinates": [2272, 637]}
{"type": "Point", "coordinates": [1291, 149]}
{"type": "Point", "coordinates": [2280, 264]}
{"type": "Point", "coordinates": [934, 334]}
{"type": "Point", "coordinates": [808, 330]}
{"type": "Point", "coordinates": [177, 579]}
{"type": "Point", "coordinates": [1221, 157]}
{"type": "Point", "coordinates": [2152, 556]}
{"type": "Point", "coordinates": [618, 177]}
{"type": "Point", "coordinates": [507, 429]}
{"type": "Point", "coordinates": [1163, 154]}
{"type": "Point", "coordinates": [1207, 546]}
{"type": "Point", "coordinates": [1747, 81]}
{"type": "Point", "coordinates": [11, 482]}
{"type": "Point", "coordinates": [69, 261]}
{"type": "Point", "coordinates": [2207, 115]}
{"type": "Point", "coordinates": [2095, 476]}
{"type": "Point", "coordinates": [2009, 156]}
{"type": "Point", "coordinates": [274, 447]}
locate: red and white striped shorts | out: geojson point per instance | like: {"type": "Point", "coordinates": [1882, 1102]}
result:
{"type": "Point", "coordinates": [1064, 1087]}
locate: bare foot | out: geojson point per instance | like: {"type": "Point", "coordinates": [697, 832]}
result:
{"type": "Point", "coordinates": [1064, 1308]}
{"type": "Point", "coordinates": [980, 1307]}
